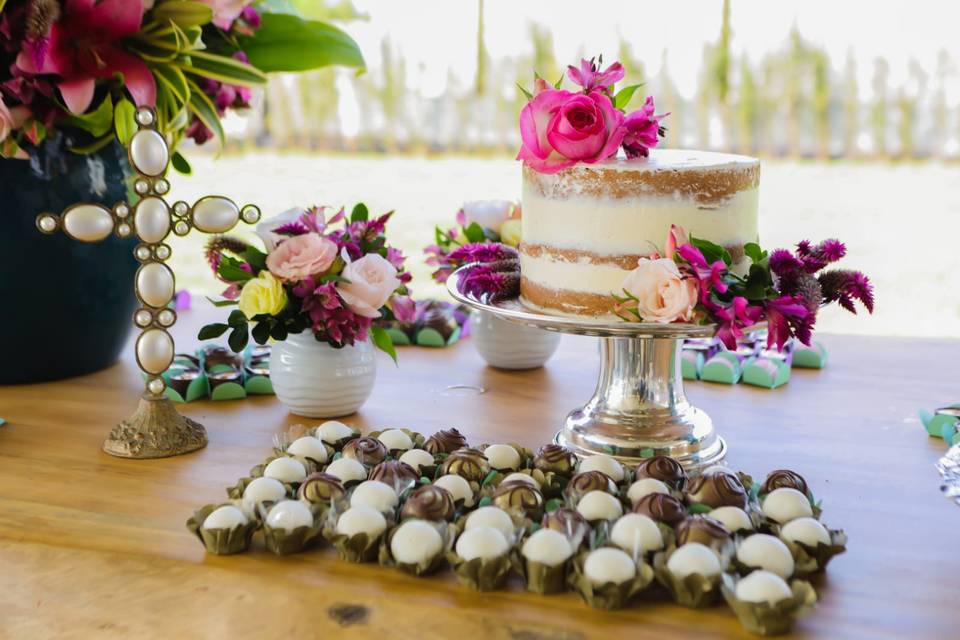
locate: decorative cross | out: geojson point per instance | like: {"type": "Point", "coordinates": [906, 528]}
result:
{"type": "Point", "coordinates": [155, 430]}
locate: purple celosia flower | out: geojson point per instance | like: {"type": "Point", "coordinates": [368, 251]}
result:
{"type": "Point", "coordinates": [590, 77]}
{"type": "Point", "coordinates": [844, 287]}
{"type": "Point", "coordinates": [483, 252]}
{"type": "Point", "coordinates": [483, 283]}
{"type": "Point", "coordinates": [816, 257]}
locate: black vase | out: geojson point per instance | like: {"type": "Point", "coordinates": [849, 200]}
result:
{"type": "Point", "coordinates": [66, 306]}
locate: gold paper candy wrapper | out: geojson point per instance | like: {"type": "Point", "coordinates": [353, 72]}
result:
{"type": "Point", "coordinates": [358, 548]}
{"type": "Point", "coordinates": [480, 574]}
{"type": "Point", "coordinates": [431, 565]}
{"type": "Point", "coordinates": [693, 591]}
{"type": "Point", "coordinates": [769, 619]}
{"type": "Point", "coordinates": [541, 578]}
{"type": "Point", "coordinates": [283, 542]}
{"type": "Point", "coordinates": [221, 542]}
{"type": "Point", "coordinates": [808, 559]}
{"type": "Point", "coordinates": [416, 437]}
{"type": "Point", "coordinates": [611, 595]}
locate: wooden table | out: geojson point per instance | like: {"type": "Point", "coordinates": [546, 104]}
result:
{"type": "Point", "coordinates": [94, 546]}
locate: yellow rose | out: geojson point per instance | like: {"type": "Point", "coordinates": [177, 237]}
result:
{"type": "Point", "coordinates": [263, 294]}
{"type": "Point", "coordinates": [510, 232]}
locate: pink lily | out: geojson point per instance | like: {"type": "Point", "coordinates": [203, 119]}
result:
{"type": "Point", "coordinates": [590, 77]}
{"type": "Point", "coordinates": [85, 46]}
{"type": "Point", "coordinates": [734, 318]}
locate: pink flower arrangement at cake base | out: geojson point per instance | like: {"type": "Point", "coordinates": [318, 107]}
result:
{"type": "Point", "coordinates": [478, 222]}
{"type": "Point", "coordinates": [333, 277]}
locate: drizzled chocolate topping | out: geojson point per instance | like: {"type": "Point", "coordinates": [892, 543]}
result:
{"type": "Point", "coordinates": [445, 441]}
{"type": "Point", "coordinates": [702, 529]}
{"type": "Point", "coordinates": [583, 483]}
{"type": "Point", "coordinates": [555, 458]}
{"type": "Point", "coordinates": [468, 463]}
{"type": "Point", "coordinates": [366, 450]}
{"type": "Point", "coordinates": [565, 520]}
{"type": "Point", "coordinates": [784, 479]}
{"type": "Point", "coordinates": [719, 489]}
{"type": "Point", "coordinates": [396, 474]}
{"type": "Point", "coordinates": [662, 508]}
{"type": "Point", "coordinates": [664, 469]}
{"type": "Point", "coordinates": [429, 502]}
{"type": "Point", "coordinates": [519, 496]}
{"type": "Point", "coordinates": [321, 488]}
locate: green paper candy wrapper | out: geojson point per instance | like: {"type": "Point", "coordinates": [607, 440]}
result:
{"type": "Point", "coordinates": [770, 619]}
{"type": "Point", "coordinates": [694, 591]}
{"type": "Point", "coordinates": [221, 542]}
{"type": "Point", "coordinates": [480, 574]}
{"type": "Point", "coordinates": [283, 542]}
{"type": "Point", "coordinates": [611, 595]}
{"type": "Point", "coordinates": [541, 578]}
{"type": "Point", "coordinates": [808, 559]}
{"type": "Point", "coordinates": [357, 549]}
{"type": "Point", "coordinates": [429, 566]}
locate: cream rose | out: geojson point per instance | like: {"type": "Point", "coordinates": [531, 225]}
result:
{"type": "Point", "coordinates": [263, 294]}
{"type": "Point", "coordinates": [372, 281]}
{"type": "Point", "coordinates": [663, 294]}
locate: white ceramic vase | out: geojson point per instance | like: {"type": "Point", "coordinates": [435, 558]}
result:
{"type": "Point", "coordinates": [507, 345]}
{"type": "Point", "coordinates": [317, 381]}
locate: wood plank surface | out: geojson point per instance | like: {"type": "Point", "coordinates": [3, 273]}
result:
{"type": "Point", "coordinates": [94, 546]}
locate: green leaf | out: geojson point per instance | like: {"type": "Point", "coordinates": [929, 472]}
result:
{"type": "Point", "coordinates": [381, 340]}
{"type": "Point", "coordinates": [94, 146]}
{"type": "Point", "coordinates": [222, 303]}
{"type": "Point", "coordinates": [97, 122]}
{"type": "Point", "coordinates": [229, 270]}
{"type": "Point", "coordinates": [288, 43]}
{"type": "Point", "coordinates": [261, 332]}
{"type": "Point", "coordinates": [711, 251]}
{"type": "Point", "coordinates": [237, 319]}
{"type": "Point", "coordinates": [279, 332]}
{"type": "Point", "coordinates": [255, 258]}
{"type": "Point", "coordinates": [474, 233]}
{"type": "Point", "coordinates": [524, 91]}
{"type": "Point", "coordinates": [203, 108]}
{"type": "Point", "coordinates": [556, 85]}
{"type": "Point", "coordinates": [184, 13]}
{"type": "Point", "coordinates": [753, 251]}
{"type": "Point", "coordinates": [212, 331]}
{"type": "Point", "coordinates": [360, 213]}
{"type": "Point", "coordinates": [174, 80]}
{"type": "Point", "coordinates": [625, 95]}
{"type": "Point", "coordinates": [123, 121]}
{"type": "Point", "coordinates": [238, 338]}
{"type": "Point", "coordinates": [222, 68]}
{"type": "Point", "coordinates": [180, 164]}
{"type": "Point", "coordinates": [332, 277]}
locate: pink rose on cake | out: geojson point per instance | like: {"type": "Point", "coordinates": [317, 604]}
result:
{"type": "Point", "coordinates": [662, 294]}
{"type": "Point", "coordinates": [302, 256]}
{"type": "Point", "coordinates": [372, 281]}
{"type": "Point", "coordinates": [560, 129]}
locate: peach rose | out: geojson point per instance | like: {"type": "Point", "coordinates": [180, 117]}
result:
{"type": "Point", "coordinates": [372, 281]}
{"type": "Point", "coordinates": [663, 294]}
{"type": "Point", "coordinates": [300, 257]}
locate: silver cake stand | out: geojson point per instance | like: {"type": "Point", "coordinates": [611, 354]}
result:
{"type": "Point", "coordinates": [639, 408]}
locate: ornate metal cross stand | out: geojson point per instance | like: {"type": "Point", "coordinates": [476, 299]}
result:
{"type": "Point", "coordinates": [155, 430]}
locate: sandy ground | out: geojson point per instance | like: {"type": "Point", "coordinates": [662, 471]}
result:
{"type": "Point", "coordinates": [901, 222]}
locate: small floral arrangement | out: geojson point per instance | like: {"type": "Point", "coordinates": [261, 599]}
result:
{"type": "Point", "coordinates": [692, 281]}
{"type": "Point", "coordinates": [479, 221]}
{"type": "Point", "coordinates": [333, 277]}
{"type": "Point", "coordinates": [84, 64]}
{"type": "Point", "coordinates": [560, 128]}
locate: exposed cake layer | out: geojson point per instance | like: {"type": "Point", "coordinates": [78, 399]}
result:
{"type": "Point", "coordinates": [564, 302]}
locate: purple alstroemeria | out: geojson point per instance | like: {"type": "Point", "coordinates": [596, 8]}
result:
{"type": "Point", "coordinates": [709, 275]}
{"type": "Point", "coordinates": [787, 316]}
{"type": "Point", "coordinates": [404, 308]}
{"type": "Point", "coordinates": [328, 314]}
{"type": "Point", "coordinates": [643, 130]}
{"type": "Point", "coordinates": [733, 318]}
{"type": "Point", "coordinates": [590, 77]}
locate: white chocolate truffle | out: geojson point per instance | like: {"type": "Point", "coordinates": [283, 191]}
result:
{"type": "Point", "coordinates": [547, 546]}
{"type": "Point", "coordinates": [502, 456]}
{"type": "Point", "coordinates": [458, 487]}
{"type": "Point", "coordinates": [333, 431]}
{"type": "Point", "coordinates": [225, 517]}
{"type": "Point", "coordinates": [262, 490]}
{"type": "Point", "coordinates": [308, 447]}
{"type": "Point", "coordinates": [415, 542]}
{"type": "Point", "coordinates": [417, 458]}
{"type": "Point", "coordinates": [762, 586]}
{"type": "Point", "coordinates": [644, 487]}
{"type": "Point", "coordinates": [785, 504]}
{"type": "Point", "coordinates": [599, 505]}
{"type": "Point", "coordinates": [733, 518]}
{"type": "Point", "coordinates": [521, 477]}
{"type": "Point", "coordinates": [806, 530]}
{"type": "Point", "coordinates": [492, 517]}
{"type": "Point", "coordinates": [396, 440]}
{"type": "Point", "coordinates": [288, 515]}
{"type": "Point", "coordinates": [692, 558]}
{"type": "Point", "coordinates": [357, 520]}
{"type": "Point", "coordinates": [636, 531]}
{"type": "Point", "coordinates": [347, 469]}
{"type": "Point", "coordinates": [376, 494]}
{"type": "Point", "coordinates": [607, 564]}
{"type": "Point", "coordinates": [482, 542]}
{"type": "Point", "coordinates": [604, 463]}
{"type": "Point", "coordinates": [285, 470]}
{"type": "Point", "coordinates": [766, 552]}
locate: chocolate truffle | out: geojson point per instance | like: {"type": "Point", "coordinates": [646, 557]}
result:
{"type": "Point", "coordinates": [644, 487]}
{"type": "Point", "coordinates": [285, 470]}
{"type": "Point", "coordinates": [762, 551]}
{"type": "Point", "coordinates": [583, 483]}
{"type": "Point", "coordinates": [415, 542]}
{"type": "Point", "coordinates": [334, 431]}
{"type": "Point", "coordinates": [492, 517]}
{"type": "Point", "coordinates": [565, 520]}
{"type": "Point", "coordinates": [467, 463]}
{"type": "Point", "coordinates": [367, 451]}
{"type": "Point", "coordinates": [693, 558]}
{"type": "Point", "coordinates": [702, 529]}
{"type": "Point", "coordinates": [786, 504]}
{"type": "Point", "coordinates": [458, 487]}
{"type": "Point", "coordinates": [662, 508]}
{"type": "Point", "coordinates": [547, 547]}
{"type": "Point", "coordinates": [502, 456]}
{"type": "Point", "coordinates": [519, 496]}
{"type": "Point", "coordinates": [321, 487]}
{"type": "Point", "coordinates": [418, 459]}
{"type": "Point", "coordinates": [521, 477]}
{"type": "Point", "coordinates": [555, 458]}
{"type": "Point", "coordinates": [599, 505]}
{"type": "Point", "coordinates": [445, 441]}
{"type": "Point", "coordinates": [429, 502]}
{"type": "Point", "coordinates": [262, 490]}
{"type": "Point", "coordinates": [395, 440]}
{"type": "Point", "coordinates": [225, 517]}
{"type": "Point", "coordinates": [482, 542]}
{"type": "Point", "coordinates": [635, 532]}
{"type": "Point", "coordinates": [664, 469]}
{"type": "Point", "coordinates": [607, 564]}
{"type": "Point", "coordinates": [376, 494]}
{"type": "Point", "coordinates": [357, 520]}
{"type": "Point", "coordinates": [762, 586]}
{"type": "Point", "coordinates": [717, 489]}
{"type": "Point", "coordinates": [805, 530]}
{"type": "Point", "coordinates": [784, 478]}
{"type": "Point", "coordinates": [347, 469]}
{"type": "Point", "coordinates": [733, 518]}
{"type": "Point", "coordinates": [398, 475]}
{"type": "Point", "coordinates": [289, 515]}
{"type": "Point", "coordinates": [308, 447]}
{"type": "Point", "coordinates": [604, 463]}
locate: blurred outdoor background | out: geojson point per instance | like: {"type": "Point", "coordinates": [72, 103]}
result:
{"type": "Point", "coordinates": [853, 107]}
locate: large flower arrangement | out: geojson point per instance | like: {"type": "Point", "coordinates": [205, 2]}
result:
{"type": "Point", "coordinates": [85, 64]}
{"type": "Point", "coordinates": [560, 128]}
{"type": "Point", "coordinates": [333, 277]}
{"type": "Point", "coordinates": [478, 221]}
